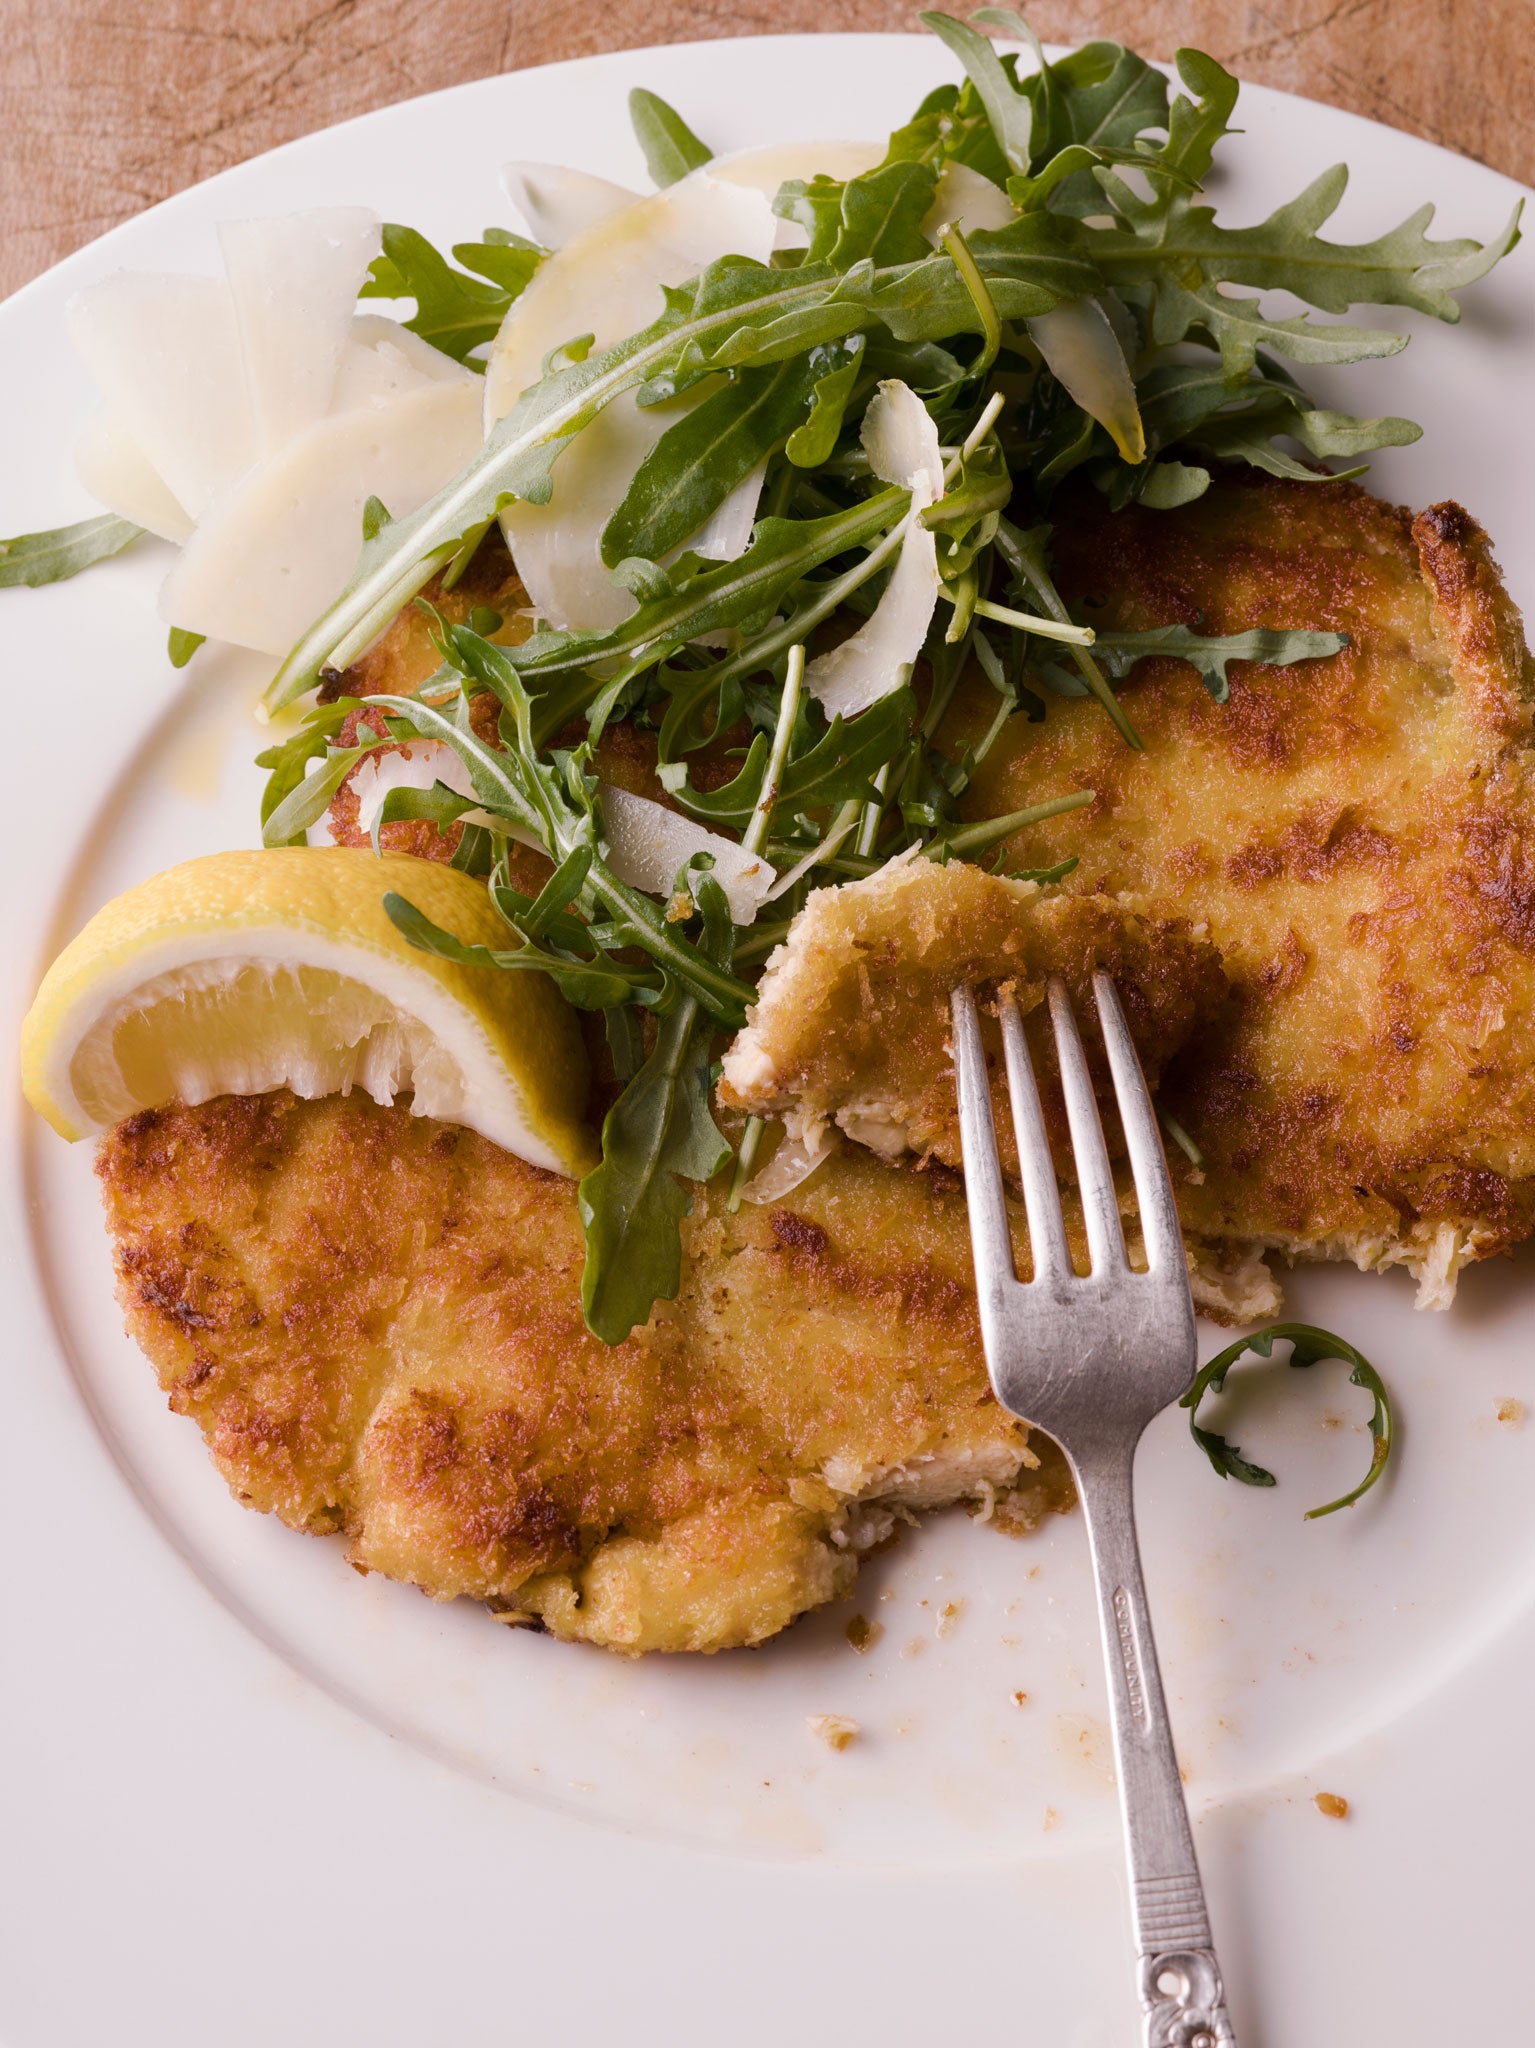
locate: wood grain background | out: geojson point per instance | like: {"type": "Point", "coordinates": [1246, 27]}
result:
{"type": "Point", "coordinates": [106, 108]}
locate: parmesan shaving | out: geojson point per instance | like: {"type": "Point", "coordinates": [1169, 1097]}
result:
{"type": "Point", "coordinates": [1084, 354]}
{"type": "Point", "coordinates": [294, 280]}
{"type": "Point", "coordinates": [269, 557]}
{"type": "Point", "coordinates": [607, 282]}
{"type": "Point", "coordinates": [790, 1166]}
{"type": "Point", "coordinates": [555, 203]}
{"type": "Point", "coordinates": [647, 844]}
{"type": "Point", "coordinates": [901, 443]}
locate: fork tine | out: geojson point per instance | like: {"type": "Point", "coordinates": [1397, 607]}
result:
{"type": "Point", "coordinates": [1148, 1160]}
{"type": "Point", "coordinates": [1100, 1206]}
{"type": "Point", "coordinates": [1047, 1226]}
{"type": "Point", "coordinates": [990, 1239]}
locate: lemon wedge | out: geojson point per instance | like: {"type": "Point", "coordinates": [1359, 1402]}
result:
{"type": "Point", "coordinates": [242, 972]}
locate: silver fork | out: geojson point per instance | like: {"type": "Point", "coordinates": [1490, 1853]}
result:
{"type": "Point", "coordinates": [1091, 1360]}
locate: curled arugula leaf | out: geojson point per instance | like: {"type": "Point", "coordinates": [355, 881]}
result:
{"type": "Point", "coordinates": [815, 439]}
{"type": "Point", "coordinates": [700, 460]}
{"type": "Point", "coordinates": [876, 218]}
{"type": "Point", "coordinates": [288, 769]}
{"type": "Point", "coordinates": [995, 79]}
{"type": "Point", "coordinates": [589, 982]}
{"type": "Point", "coordinates": [1166, 239]}
{"type": "Point", "coordinates": [1308, 1346]}
{"type": "Point", "coordinates": [1200, 408]}
{"type": "Point", "coordinates": [837, 767]}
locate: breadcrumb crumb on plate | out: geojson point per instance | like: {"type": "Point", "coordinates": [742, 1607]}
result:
{"type": "Point", "coordinates": [835, 1730]}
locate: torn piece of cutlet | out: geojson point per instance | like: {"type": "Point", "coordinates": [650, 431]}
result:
{"type": "Point", "coordinates": [851, 1022]}
{"type": "Point", "coordinates": [851, 1029]}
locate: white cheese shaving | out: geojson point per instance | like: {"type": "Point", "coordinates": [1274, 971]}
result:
{"type": "Point", "coordinates": [769, 165]}
{"type": "Point", "coordinates": [1076, 340]}
{"type": "Point", "coordinates": [790, 1166]}
{"type": "Point", "coordinates": [966, 200]}
{"type": "Point", "coordinates": [417, 765]}
{"type": "Point", "coordinates": [647, 844]}
{"type": "Point", "coordinates": [273, 552]}
{"type": "Point", "coordinates": [1084, 354]}
{"type": "Point", "coordinates": [901, 443]}
{"type": "Point", "coordinates": [728, 532]}
{"type": "Point", "coordinates": [607, 282]}
{"type": "Point", "coordinates": [382, 359]}
{"type": "Point", "coordinates": [555, 203]}
{"type": "Point", "coordinates": [900, 439]}
{"type": "Point", "coordinates": [250, 416]}
{"type": "Point", "coordinates": [412, 767]}
{"type": "Point", "coordinates": [166, 356]}
{"type": "Point", "coordinates": [294, 279]}
{"type": "Point", "coordinates": [116, 471]}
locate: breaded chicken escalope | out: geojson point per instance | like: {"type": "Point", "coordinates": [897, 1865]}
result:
{"type": "Point", "coordinates": [851, 1030]}
{"type": "Point", "coordinates": [376, 1322]}
{"type": "Point", "coordinates": [851, 1023]}
{"type": "Point", "coordinates": [1358, 837]}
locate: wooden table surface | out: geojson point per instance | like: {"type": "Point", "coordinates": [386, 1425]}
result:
{"type": "Point", "coordinates": [105, 109]}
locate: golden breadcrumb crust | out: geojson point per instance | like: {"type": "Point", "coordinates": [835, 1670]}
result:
{"type": "Point", "coordinates": [375, 1320]}
{"type": "Point", "coordinates": [1357, 834]}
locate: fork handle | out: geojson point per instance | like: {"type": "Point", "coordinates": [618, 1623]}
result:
{"type": "Point", "coordinates": [1183, 2002]}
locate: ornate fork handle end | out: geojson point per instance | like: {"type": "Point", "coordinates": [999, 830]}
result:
{"type": "Point", "coordinates": [1183, 2001]}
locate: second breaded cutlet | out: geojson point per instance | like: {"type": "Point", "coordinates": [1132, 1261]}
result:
{"type": "Point", "coordinates": [1358, 837]}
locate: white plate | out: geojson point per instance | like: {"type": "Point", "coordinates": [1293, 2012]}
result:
{"type": "Point", "coordinates": [254, 1798]}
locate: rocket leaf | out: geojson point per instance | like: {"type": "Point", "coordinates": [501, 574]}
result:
{"type": "Point", "coordinates": [34, 559]}
{"type": "Point", "coordinates": [671, 148]}
{"type": "Point", "coordinates": [454, 312]}
{"type": "Point", "coordinates": [1308, 1346]}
